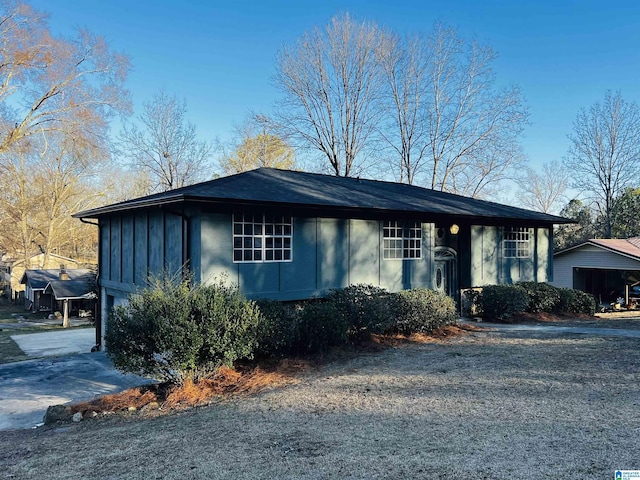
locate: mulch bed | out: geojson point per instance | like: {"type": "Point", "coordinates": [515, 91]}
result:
{"type": "Point", "coordinates": [163, 398]}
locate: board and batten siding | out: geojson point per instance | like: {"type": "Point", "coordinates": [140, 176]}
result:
{"type": "Point", "coordinates": [135, 246]}
{"type": "Point", "coordinates": [490, 267]}
{"type": "Point", "coordinates": [326, 253]}
{"type": "Point", "coordinates": [588, 256]}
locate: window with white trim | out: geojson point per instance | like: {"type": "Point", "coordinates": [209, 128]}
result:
{"type": "Point", "coordinates": [261, 237]}
{"type": "Point", "coordinates": [401, 240]}
{"type": "Point", "coordinates": [516, 242]}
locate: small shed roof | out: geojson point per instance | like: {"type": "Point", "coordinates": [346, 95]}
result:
{"type": "Point", "coordinates": [38, 279]}
{"type": "Point", "coordinates": [273, 187]}
{"type": "Point", "coordinates": [79, 288]}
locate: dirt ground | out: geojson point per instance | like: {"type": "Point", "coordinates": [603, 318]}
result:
{"type": "Point", "coordinates": [486, 405]}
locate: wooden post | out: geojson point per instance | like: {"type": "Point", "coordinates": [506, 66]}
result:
{"type": "Point", "coordinates": [65, 314]}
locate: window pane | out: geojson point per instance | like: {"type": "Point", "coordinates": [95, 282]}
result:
{"type": "Point", "coordinates": [247, 255]}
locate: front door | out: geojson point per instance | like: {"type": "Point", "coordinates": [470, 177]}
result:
{"type": "Point", "coordinates": [444, 270]}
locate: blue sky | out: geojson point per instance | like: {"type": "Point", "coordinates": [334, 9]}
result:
{"type": "Point", "coordinates": [219, 55]}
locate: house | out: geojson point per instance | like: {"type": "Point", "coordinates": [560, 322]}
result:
{"type": "Point", "coordinates": [44, 288]}
{"type": "Point", "coordinates": [293, 235]}
{"type": "Point", "coordinates": [606, 268]}
{"type": "Point", "coordinates": [15, 269]}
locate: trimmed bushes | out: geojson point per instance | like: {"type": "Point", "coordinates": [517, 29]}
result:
{"type": "Point", "coordinates": [542, 297]}
{"type": "Point", "coordinates": [501, 302]}
{"type": "Point", "coordinates": [423, 310]}
{"type": "Point", "coordinates": [576, 301]}
{"type": "Point", "coordinates": [174, 332]}
{"type": "Point", "coordinates": [349, 315]}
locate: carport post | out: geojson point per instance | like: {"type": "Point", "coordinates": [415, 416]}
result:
{"type": "Point", "coordinates": [65, 314]}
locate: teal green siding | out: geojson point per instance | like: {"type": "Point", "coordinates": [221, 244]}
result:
{"type": "Point", "coordinates": [138, 245]}
{"type": "Point", "coordinates": [327, 253]}
{"type": "Point", "coordinates": [127, 249]}
{"type": "Point", "coordinates": [489, 267]}
{"type": "Point", "coordinates": [364, 252]}
{"type": "Point", "coordinates": [333, 253]}
{"type": "Point", "coordinates": [216, 242]}
{"type": "Point", "coordinates": [299, 276]}
{"type": "Point", "coordinates": [141, 248]}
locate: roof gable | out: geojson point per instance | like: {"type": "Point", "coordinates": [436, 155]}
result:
{"type": "Point", "coordinates": [70, 289]}
{"type": "Point", "coordinates": [628, 247]}
{"type": "Point", "coordinates": [277, 187]}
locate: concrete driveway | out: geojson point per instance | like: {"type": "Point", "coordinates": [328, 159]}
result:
{"type": "Point", "coordinates": [28, 388]}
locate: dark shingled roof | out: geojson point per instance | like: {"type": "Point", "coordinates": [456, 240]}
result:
{"type": "Point", "coordinates": [268, 186]}
{"type": "Point", "coordinates": [70, 289]}
{"type": "Point", "coordinates": [38, 279]}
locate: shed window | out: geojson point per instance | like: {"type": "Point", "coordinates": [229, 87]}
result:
{"type": "Point", "coordinates": [262, 237]}
{"type": "Point", "coordinates": [517, 242]}
{"type": "Point", "coordinates": [401, 240]}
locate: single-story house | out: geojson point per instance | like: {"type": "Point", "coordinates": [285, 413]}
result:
{"type": "Point", "coordinates": [47, 289]}
{"type": "Point", "coordinates": [606, 268]}
{"type": "Point", "coordinates": [294, 235]}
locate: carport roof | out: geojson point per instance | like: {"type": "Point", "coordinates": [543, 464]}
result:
{"type": "Point", "coordinates": [79, 288]}
{"type": "Point", "coordinates": [325, 193]}
{"type": "Point", "coordinates": [629, 247]}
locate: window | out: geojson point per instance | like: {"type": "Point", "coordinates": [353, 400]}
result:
{"type": "Point", "coordinates": [401, 240]}
{"type": "Point", "coordinates": [262, 238]}
{"type": "Point", "coordinates": [516, 242]}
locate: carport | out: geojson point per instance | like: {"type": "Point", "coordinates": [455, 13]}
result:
{"type": "Point", "coordinates": [606, 268]}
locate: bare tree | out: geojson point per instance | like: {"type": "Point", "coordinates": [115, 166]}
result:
{"type": "Point", "coordinates": [543, 190]}
{"type": "Point", "coordinates": [257, 145]}
{"type": "Point", "coordinates": [605, 152]}
{"type": "Point", "coordinates": [41, 188]}
{"type": "Point", "coordinates": [404, 63]}
{"type": "Point", "coordinates": [473, 127]}
{"type": "Point", "coordinates": [330, 80]}
{"type": "Point", "coordinates": [49, 84]}
{"type": "Point", "coordinates": [166, 146]}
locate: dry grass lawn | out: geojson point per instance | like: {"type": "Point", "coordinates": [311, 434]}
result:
{"type": "Point", "coordinates": [486, 405]}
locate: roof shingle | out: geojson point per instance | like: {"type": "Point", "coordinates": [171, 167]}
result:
{"type": "Point", "coordinates": [267, 186]}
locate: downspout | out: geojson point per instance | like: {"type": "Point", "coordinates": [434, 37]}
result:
{"type": "Point", "coordinates": [98, 308]}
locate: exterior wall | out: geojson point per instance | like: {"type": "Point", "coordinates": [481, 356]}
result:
{"type": "Point", "coordinates": [134, 247]}
{"type": "Point", "coordinates": [586, 257]}
{"type": "Point", "coordinates": [489, 267]}
{"type": "Point", "coordinates": [327, 253]}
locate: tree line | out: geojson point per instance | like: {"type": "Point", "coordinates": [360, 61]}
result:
{"type": "Point", "coordinates": [356, 99]}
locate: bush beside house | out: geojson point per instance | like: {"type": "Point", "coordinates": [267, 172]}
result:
{"type": "Point", "coordinates": [502, 302]}
{"type": "Point", "coordinates": [175, 332]}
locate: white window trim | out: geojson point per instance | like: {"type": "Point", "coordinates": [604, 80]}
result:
{"type": "Point", "coordinates": [394, 226]}
{"type": "Point", "coordinates": [263, 237]}
{"type": "Point", "coordinates": [517, 244]}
